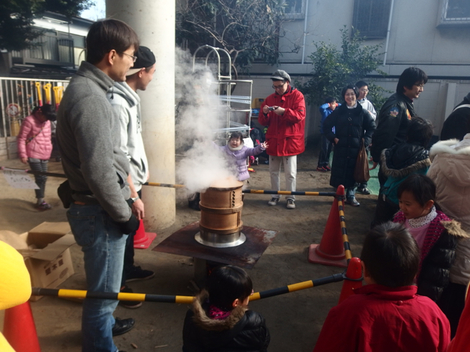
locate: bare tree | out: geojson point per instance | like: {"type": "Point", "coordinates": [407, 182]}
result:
{"type": "Point", "coordinates": [16, 19]}
{"type": "Point", "coordinates": [247, 29]}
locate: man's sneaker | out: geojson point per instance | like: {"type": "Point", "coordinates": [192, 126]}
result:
{"type": "Point", "coordinates": [290, 204]}
{"type": "Point", "coordinates": [321, 169]}
{"type": "Point", "coordinates": [137, 273]}
{"type": "Point", "coordinates": [327, 168]}
{"type": "Point", "coordinates": [129, 304]}
{"type": "Point", "coordinates": [364, 190]}
{"type": "Point", "coordinates": [273, 201]}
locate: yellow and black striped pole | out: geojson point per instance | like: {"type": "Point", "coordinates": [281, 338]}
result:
{"type": "Point", "coordinates": [52, 174]}
{"type": "Point", "coordinates": [344, 232]}
{"type": "Point", "coordinates": [169, 185]}
{"type": "Point", "coordinates": [296, 287]}
{"type": "Point", "coordinates": [294, 193]}
{"type": "Point", "coordinates": [145, 297]}
{"type": "Point", "coordinates": [121, 296]}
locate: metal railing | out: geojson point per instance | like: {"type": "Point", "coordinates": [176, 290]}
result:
{"type": "Point", "coordinates": [18, 97]}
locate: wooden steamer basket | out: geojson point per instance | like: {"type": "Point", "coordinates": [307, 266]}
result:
{"type": "Point", "coordinates": [221, 210]}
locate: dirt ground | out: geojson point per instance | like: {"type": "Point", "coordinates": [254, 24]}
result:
{"type": "Point", "coordinates": [294, 319]}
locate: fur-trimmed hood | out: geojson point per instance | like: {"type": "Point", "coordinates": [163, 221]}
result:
{"type": "Point", "coordinates": [452, 146]}
{"type": "Point", "coordinates": [451, 162]}
{"type": "Point", "coordinates": [454, 229]}
{"type": "Point", "coordinates": [201, 319]}
{"type": "Point", "coordinates": [404, 159]}
{"type": "Point", "coordinates": [242, 330]}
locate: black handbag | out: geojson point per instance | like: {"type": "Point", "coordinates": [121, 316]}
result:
{"type": "Point", "coordinates": [65, 194]}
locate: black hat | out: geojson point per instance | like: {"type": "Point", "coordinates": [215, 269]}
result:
{"type": "Point", "coordinates": [280, 75]}
{"type": "Point", "coordinates": [145, 59]}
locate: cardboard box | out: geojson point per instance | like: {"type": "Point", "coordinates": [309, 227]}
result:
{"type": "Point", "coordinates": [48, 258]}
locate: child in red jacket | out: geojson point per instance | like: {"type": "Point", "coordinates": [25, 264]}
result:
{"type": "Point", "coordinates": [386, 315]}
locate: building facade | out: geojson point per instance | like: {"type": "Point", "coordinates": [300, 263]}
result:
{"type": "Point", "coordinates": [431, 35]}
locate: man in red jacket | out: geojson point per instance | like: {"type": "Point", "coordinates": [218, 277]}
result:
{"type": "Point", "coordinates": [283, 112]}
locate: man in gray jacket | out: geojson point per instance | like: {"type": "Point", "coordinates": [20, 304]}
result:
{"type": "Point", "coordinates": [126, 104]}
{"type": "Point", "coordinates": [97, 170]}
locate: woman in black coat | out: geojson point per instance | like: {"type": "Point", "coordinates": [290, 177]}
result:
{"type": "Point", "coordinates": [351, 123]}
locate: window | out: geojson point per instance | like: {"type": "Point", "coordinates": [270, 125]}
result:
{"type": "Point", "coordinates": [370, 18]}
{"type": "Point", "coordinates": [455, 12]}
{"type": "Point", "coordinates": [295, 9]}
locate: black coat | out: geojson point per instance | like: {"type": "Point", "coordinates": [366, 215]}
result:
{"type": "Point", "coordinates": [437, 255]}
{"type": "Point", "coordinates": [457, 124]}
{"type": "Point", "coordinates": [351, 125]}
{"type": "Point", "coordinates": [392, 124]}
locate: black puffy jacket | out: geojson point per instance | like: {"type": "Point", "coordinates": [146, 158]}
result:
{"type": "Point", "coordinates": [242, 330]}
{"type": "Point", "coordinates": [437, 254]}
{"type": "Point", "coordinates": [457, 124]}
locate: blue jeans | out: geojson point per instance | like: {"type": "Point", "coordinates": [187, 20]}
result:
{"type": "Point", "coordinates": [103, 248]}
{"type": "Point", "coordinates": [41, 166]}
{"type": "Point", "coordinates": [351, 192]}
{"type": "Point", "coordinates": [325, 151]}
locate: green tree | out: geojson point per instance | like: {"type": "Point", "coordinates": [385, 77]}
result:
{"type": "Point", "coordinates": [335, 68]}
{"type": "Point", "coordinates": [16, 19]}
{"type": "Point", "coordinates": [247, 29]}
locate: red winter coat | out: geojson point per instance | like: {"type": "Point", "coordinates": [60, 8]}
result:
{"type": "Point", "coordinates": [385, 319]}
{"type": "Point", "coordinates": [34, 139]}
{"type": "Point", "coordinates": [285, 135]}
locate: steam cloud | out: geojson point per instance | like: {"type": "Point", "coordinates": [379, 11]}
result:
{"type": "Point", "coordinates": [199, 114]}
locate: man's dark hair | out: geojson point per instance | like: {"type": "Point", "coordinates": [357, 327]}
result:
{"type": "Point", "coordinates": [107, 35]}
{"type": "Point", "coordinates": [227, 283]}
{"type": "Point", "coordinates": [421, 186]}
{"type": "Point", "coordinates": [329, 100]}
{"type": "Point", "coordinates": [349, 86]}
{"type": "Point", "coordinates": [410, 77]}
{"type": "Point", "coordinates": [391, 255]}
{"type": "Point", "coordinates": [361, 84]}
{"type": "Point", "coordinates": [419, 131]}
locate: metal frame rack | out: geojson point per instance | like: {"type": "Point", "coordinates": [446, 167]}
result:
{"type": "Point", "coordinates": [237, 106]}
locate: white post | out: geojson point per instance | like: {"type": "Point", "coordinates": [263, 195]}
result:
{"type": "Point", "coordinates": [450, 99]}
{"type": "Point", "coordinates": [154, 22]}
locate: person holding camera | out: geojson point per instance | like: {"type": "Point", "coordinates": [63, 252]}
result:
{"type": "Point", "coordinates": [35, 147]}
{"type": "Point", "coordinates": [283, 112]}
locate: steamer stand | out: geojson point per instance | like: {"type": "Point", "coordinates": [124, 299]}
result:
{"type": "Point", "coordinates": [220, 236]}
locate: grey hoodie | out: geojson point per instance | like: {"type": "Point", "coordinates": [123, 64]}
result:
{"type": "Point", "coordinates": [126, 105]}
{"type": "Point", "coordinates": [88, 136]}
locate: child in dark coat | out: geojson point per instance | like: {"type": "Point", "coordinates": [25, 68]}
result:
{"type": "Point", "coordinates": [220, 319]}
{"type": "Point", "coordinates": [434, 232]}
{"type": "Point", "coordinates": [399, 162]}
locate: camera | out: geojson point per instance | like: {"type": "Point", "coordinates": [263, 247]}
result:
{"type": "Point", "coordinates": [271, 108]}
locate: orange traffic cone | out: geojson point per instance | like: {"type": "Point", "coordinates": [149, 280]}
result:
{"type": "Point", "coordinates": [19, 329]}
{"type": "Point", "coordinates": [353, 279]}
{"type": "Point", "coordinates": [330, 251]}
{"type": "Point", "coordinates": [143, 239]}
